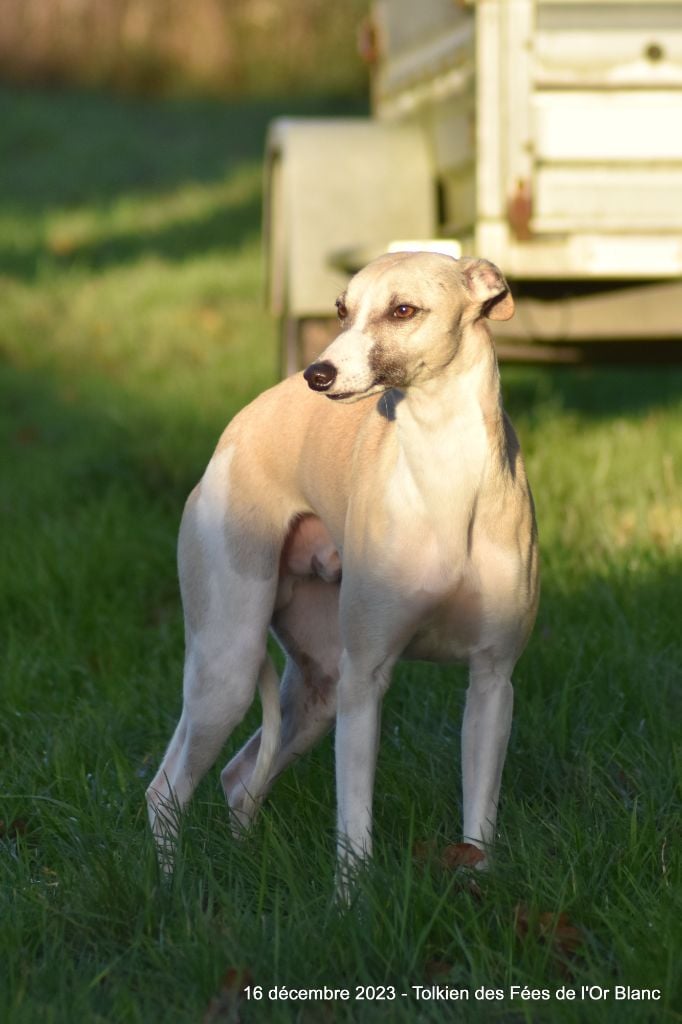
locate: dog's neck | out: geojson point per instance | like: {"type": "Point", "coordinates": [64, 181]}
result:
{"type": "Point", "coordinates": [448, 430]}
{"type": "Point", "coordinates": [459, 397]}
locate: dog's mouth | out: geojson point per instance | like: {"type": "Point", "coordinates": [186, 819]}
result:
{"type": "Point", "coordinates": [345, 396]}
{"type": "Point", "coordinates": [356, 396]}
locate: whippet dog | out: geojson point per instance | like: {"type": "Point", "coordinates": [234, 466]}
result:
{"type": "Point", "coordinates": [372, 508]}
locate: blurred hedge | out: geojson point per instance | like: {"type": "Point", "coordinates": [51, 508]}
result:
{"type": "Point", "coordinates": [218, 47]}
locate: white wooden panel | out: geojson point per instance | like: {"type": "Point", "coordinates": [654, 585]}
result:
{"type": "Point", "coordinates": [625, 125]}
{"type": "Point", "coordinates": [490, 82]}
{"type": "Point", "coordinates": [606, 256]}
{"type": "Point", "coordinates": [598, 43]}
{"type": "Point", "coordinates": [607, 198]}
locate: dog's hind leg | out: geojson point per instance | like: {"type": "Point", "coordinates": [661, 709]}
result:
{"type": "Point", "coordinates": [308, 630]}
{"type": "Point", "coordinates": [227, 615]}
{"type": "Point", "coordinates": [218, 690]}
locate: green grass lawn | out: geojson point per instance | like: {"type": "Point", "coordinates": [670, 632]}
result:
{"type": "Point", "coordinates": [131, 329]}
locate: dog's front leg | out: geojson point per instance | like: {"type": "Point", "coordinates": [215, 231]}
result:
{"type": "Point", "coordinates": [358, 722]}
{"type": "Point", "coordinates": [485, 735]}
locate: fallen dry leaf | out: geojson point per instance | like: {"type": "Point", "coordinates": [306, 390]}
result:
{"type": "Point", "coordinates": [62, 245]}
{"type": "Point", "coordinates": [554, 930]}
{"type": "Point", "coordinates": [521, 920]}
{"type": "Point", "coordinates": [223, 1007]}
{"type": "Point", "coordinates": [423, 850]}
{"type": "Point", "coordinates": [16, 828]}
{"type": "Point", "coordinates": [27, 435]}
{"type": "Point", "coordinates": [451, 859]}
{"type": "Point", "coordinates": [461, 855]}
{"type": "Point", "coordinates": [436, 970]}
{"type": "Point", "coordinates": [564, 936]}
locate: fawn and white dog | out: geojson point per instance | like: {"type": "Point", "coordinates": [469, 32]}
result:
{"type": "Point", "coordinates": [373, 508]}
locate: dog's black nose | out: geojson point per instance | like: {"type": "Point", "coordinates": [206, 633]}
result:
{"type": "Point", "coordinates": [320, 376]}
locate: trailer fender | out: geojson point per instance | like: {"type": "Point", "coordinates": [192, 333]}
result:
{"type": "Point", "coordinates": [335, 185]}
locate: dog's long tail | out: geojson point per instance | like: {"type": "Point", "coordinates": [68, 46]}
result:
{"type": "Point", "coordinates": [268, 688]}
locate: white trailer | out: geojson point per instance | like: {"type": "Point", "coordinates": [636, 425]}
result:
{"type": "Point", "coordinates": [545, 135]}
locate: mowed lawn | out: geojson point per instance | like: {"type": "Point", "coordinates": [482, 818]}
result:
{"type": "Point", "coordinates": [131, 329]}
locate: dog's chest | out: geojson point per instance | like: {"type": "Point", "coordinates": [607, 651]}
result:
{"type": "Point", "coordinates": [450, 624]}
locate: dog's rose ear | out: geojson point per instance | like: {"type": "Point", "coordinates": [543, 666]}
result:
{"type": "Point", "coordinates": [488, 289]}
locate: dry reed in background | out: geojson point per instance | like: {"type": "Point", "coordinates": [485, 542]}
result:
{"type": "Point", "coordinates": [221, 47]}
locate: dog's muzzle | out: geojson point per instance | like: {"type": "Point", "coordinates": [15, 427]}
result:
{"type": "Point", "coordinates": [320, 376]}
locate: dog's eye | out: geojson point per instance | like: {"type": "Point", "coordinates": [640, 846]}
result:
{"type": "Point", "coordinates": [404, 311]}
{"type": "Point", "coordinates": [341, 310]}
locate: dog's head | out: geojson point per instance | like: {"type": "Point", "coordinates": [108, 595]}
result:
{"type": "Point", "coordinates": [403, 318]}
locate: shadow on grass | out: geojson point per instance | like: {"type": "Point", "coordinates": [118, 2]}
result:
{"type": "Point", "coordinates": [596, 393]}
{"type": "Point", "coordinates": [226, 227]}
{"type": "Point", "coordinates": [67, 150]}
{"type": "Point", "coordinates": [73, 447]}
{"type": "Point", "coordinates": [61, 148]}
